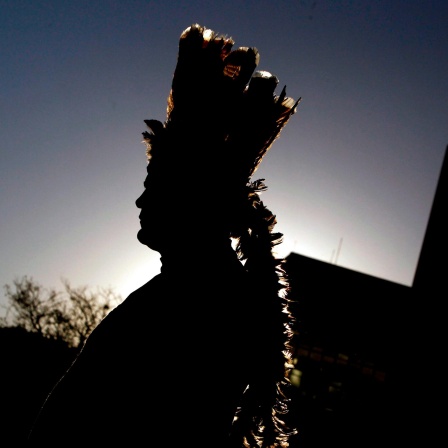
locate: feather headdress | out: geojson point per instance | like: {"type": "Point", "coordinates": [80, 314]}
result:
{"type": "Point", "coordinates": [215, 93]}
{"type": "Point", "coordinates": [222, 118]}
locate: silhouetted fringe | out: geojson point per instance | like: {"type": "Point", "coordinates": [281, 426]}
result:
{"type": "Point", "coordinates": [259, 421]}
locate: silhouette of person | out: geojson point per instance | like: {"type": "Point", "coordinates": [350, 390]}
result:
{"type": "Point", "coordinates": [198, 356]}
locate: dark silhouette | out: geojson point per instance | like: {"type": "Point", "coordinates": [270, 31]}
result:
{"type": "Point", "coordinates": [30, 365]}
{"type": "Point", "coordinates": [370, 352]}
{"type": "Point", "coordinates": [200, 355]}
{"type": "Point", "coordinates": [68, 316]}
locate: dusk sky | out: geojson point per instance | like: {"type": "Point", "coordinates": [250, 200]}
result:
{"type": "Point", "coordinates": [351, 178]}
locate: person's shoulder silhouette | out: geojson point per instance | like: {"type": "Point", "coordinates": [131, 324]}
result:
{"type": "Point", "coordinates": [197, 355]}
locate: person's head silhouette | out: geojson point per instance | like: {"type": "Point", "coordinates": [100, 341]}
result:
{"type": "Point", "coordinates": [222, 118]}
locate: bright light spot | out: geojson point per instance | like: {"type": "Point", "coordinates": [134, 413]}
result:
{"type": "Point", "coordinates": [137, 275]}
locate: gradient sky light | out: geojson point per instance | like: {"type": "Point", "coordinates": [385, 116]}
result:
{"type": "Point", "coordinates": [355, 168]}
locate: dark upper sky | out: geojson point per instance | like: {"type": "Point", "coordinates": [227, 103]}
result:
{"type": "Point", "coordinates": [351, 178]}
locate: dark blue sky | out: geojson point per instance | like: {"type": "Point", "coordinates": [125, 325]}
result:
{"type": "Point", "coordinates": [356, 167]}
